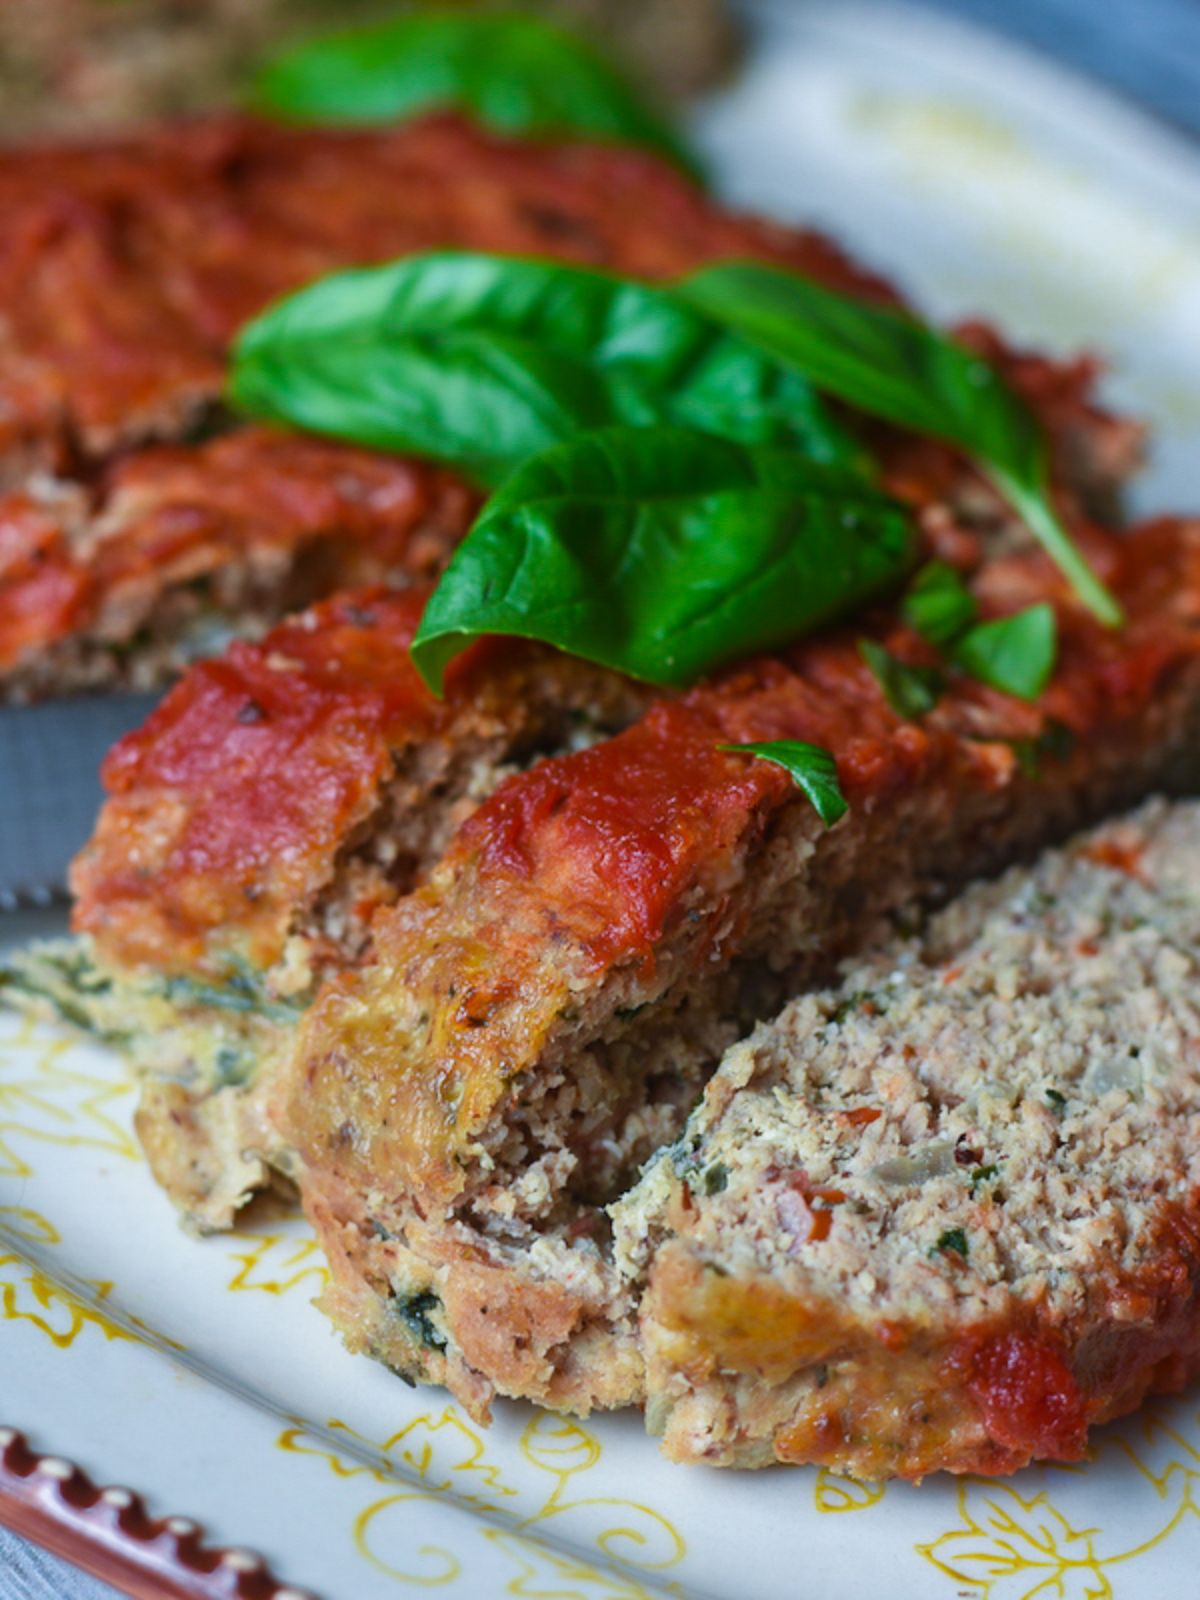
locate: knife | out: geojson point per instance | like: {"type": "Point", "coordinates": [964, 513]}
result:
{"type": "Point", "coordinates": [50, 792]}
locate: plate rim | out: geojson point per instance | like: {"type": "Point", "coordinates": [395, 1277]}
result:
{"type": "Point", "coordinates": [109, 1533]}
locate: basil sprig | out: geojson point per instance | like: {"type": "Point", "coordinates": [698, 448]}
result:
{"type": "Point", "coordinates": [812, 768]}
{"type": "Point", "coordinates": [481, 361]}
{"type": "Point", "coordinates": [515, 73]}
{"type": "Point", "coordinates": [664, 553]}
{"type": "Point", "coordinates": [910, 691]}
{"type": "Point", "coordinates": [938, 605]}
{"type": "Point", "coordinates": [891, 366]}
{"type": "Point", "coordinates": [1015, 654]}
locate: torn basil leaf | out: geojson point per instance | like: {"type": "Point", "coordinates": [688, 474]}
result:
{"type": "Point", "coordinates": [515, 73]}
{"type": "Point", "coordinates": [938, 605]}
{"type": "Point", "coordinates": [1014, 654]}
{"type": "Point", "coordinates": [812, 768]}
{"type": "Point", "coordinates": [910, 691]}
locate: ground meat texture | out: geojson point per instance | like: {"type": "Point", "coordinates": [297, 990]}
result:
{"type": "Point", "coordinates": [126, 267]}
{"type": "Point", "coordinates": [537, 1017]}
{"type": "Point", "coordinates": [947, 1215]}
{"type": "Point", "coordinates": [177, 547]}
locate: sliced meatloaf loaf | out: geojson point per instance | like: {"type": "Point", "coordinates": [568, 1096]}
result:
{"type": "Point", "coordinates": [538, 1018]}
{"type": "Point", "coordinates": [947, 1215]}
{"type": "Point", "coordinates": [273, 801]}
{"type": "Point", "coordinates": [127, 266]}
{"type": "Point", "coordinates": [175, 547]}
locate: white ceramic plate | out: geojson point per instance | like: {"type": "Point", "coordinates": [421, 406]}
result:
{"type": "Point", "coordinates": [198, 1373]}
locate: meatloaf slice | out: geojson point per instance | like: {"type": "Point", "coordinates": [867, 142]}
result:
{"type": "Point", "coordinates": [538, 1018]}
{"type": "Point", "coordinates": [175, 548]}
{"type": "Point", "coordinates": [268, 807]}
{"type": "Point", "coordinates": [947, 1215]}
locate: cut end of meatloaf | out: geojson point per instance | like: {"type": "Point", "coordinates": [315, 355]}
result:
{"type": "Point", "coordinates": [946, 1216]}
{"type": "Point", "coordinates": [202, 1051]}
{"type": "Point", "coordinates": [177, 549]}
{"type": "Point", "coordinates": [269, 807]}
{"type": "Point", "coordinates": [538, 1017]}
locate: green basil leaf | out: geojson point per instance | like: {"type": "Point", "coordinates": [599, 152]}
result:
{"type": "Point", "coordinates": [664, 553]}
{"type": "Point", "coordinates": [483, 360]}
{"type": "Point", "coordinates": [891, 366]}
{"type": "Point", "coordinates": [515, 73]}
{"type": "Point", "coordinates": [1014, 654]}
{"type": "Point", "coordinates": [938, 605]}
{"type": "Point", "coordinates": [910, 691]}
{"type": "Point", "coordinates": [813, 768]}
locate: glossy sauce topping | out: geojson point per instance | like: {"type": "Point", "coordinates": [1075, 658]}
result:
{"type": "Point", "coordinates": [43, 592]}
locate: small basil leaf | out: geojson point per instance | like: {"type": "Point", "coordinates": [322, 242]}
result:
{"type": "Point", "coordinates": [664, 553]}
{"type": "Point", "coordinates": [812, 767]}
{"type": "Point", "coordinates": [938, 605]}
{"type": "Point", "coordinates": [910, 691]}
{"type": "Point", "coordinates": [515, 73]}
{"type": "Point", "coordinates": [1014, 654]}
{"type": "Point", "coordinates": [891, 366]}
{"type": "Point", "coordinates": [483, 360]}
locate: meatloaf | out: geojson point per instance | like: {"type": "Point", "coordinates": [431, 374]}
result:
{"type": "Point", "coordinates": [74, 65]}
{"type": "Point", "coordinates": [176, 547]}
{"type": "Point", "coordinates": [946, 1216]}
{"type": "Point", "coordinates": [538, 1018]}
{"type": "Point", "coordinates": [273, 801]}
{"type": "Point", "coordinates": [127, 266]}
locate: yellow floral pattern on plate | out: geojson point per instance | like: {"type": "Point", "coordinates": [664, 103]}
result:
{"type": "Point", "coordinates": [442, 1454]}
{"type": "Point", "coordinates": [1011, 1544]}
{"type": "Point", "coordinates": [46, 1096]}
{"type": "Point", "coordinates": [278, 1262]}
{"type": "Point", "coordinates": [27, 1294]}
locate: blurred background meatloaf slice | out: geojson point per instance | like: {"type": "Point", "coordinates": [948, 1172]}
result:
{"type": "Point", "coordinates": [69, 66]}
{"type": "Point", "coordinates": [127, 266]}
{"type": "Point", "coordinates": [175, 549]}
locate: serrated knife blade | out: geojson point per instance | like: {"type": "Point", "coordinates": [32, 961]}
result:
{"type": "Point", "coordinates": [50, 759]}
